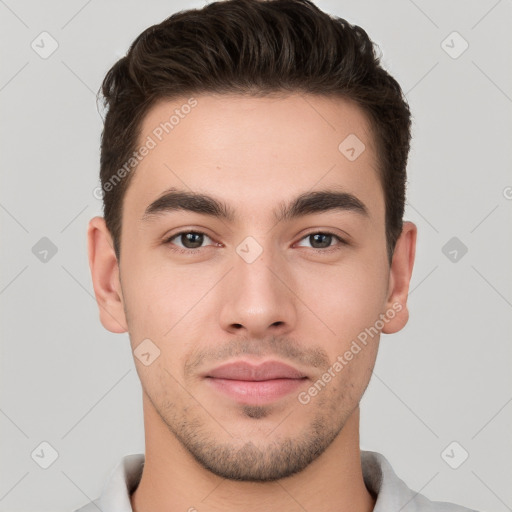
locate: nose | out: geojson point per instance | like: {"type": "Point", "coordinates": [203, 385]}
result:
{"type": "Point", "coordinates": [258, 299]}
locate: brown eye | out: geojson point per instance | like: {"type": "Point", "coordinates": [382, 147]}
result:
{"type": "Point", "coordinates": [188, 240]}
{"type": "Point", "coordinates": [322, 240]}
{"type": "Point", "coordinates": [191, 240]}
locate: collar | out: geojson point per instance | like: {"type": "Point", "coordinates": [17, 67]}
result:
{"type": "Point", "coordinates": [391, 493]}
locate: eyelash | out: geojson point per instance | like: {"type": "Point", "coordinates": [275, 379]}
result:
{"type": "Point", "coordinates": [341, 241]}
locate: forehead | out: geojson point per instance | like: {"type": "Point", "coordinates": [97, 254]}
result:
{"type": "Point", "coordinates": [253, 151]}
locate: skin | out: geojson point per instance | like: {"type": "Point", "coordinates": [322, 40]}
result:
{"type": "Point", "coordinates": [293, 303]}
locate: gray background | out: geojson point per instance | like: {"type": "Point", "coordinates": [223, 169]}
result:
{"type": "Point", "coordinates": [446, 377]}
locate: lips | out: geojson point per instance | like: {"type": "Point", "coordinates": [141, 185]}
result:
{"type": "Point", "coordinates": [266, 371]}
{"type": "Point", "coordinates": [255, 384]}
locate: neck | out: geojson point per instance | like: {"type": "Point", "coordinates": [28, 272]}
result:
{"type": "Point", "coordinates": [173, 481]}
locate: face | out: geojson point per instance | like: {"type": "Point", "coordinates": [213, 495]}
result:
{"type": "Point", "coordinates": [253, 268]}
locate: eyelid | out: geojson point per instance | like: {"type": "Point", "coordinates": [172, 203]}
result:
{"type": "Point", "coordinates": [341, 240]}
{"type": "Point", "coordinates": [328, 231]}
{"type": "Point", "coordinates": [168, 240]}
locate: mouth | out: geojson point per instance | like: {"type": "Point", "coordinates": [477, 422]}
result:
{"type": "Point", "coordinates": [255, 384]}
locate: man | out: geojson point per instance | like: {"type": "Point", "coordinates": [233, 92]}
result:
{"type": "Point", "coordinates": [253, 169]}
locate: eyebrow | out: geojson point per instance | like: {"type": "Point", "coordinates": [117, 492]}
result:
{"type": "Point", "coordinates": [308, 203]}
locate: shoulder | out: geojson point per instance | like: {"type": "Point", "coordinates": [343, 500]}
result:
{"type": "Point", "coordinates": [423, 504]}
{"type": "Point", "coordinates": [392, 492]}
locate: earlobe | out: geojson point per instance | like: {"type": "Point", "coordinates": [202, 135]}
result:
{"type": "Point", "coordinates": [399, 279]}
{"type": "Point", "coordinates": [105, 276]}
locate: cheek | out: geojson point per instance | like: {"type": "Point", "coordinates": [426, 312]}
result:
{"type": "Point", "coordinates": [171, 308]}
{"type": "Point", "coordinates": [146, 311]}
{"type": "Point", "coordinates": [154, 292]}
{"type": "Point", "coordinates": [347, 298]}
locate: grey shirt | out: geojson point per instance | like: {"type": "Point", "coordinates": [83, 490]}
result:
{"type": "Point", "coordinates": [391, 493]}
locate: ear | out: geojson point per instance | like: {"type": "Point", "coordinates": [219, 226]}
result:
{"type": "Point", "coordinates": [400, 277]}
{"type": "Point", "coordinates": [105, 276]}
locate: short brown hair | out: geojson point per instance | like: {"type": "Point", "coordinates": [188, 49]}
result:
{"type": "Point", "coordinates": [254, 47]}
